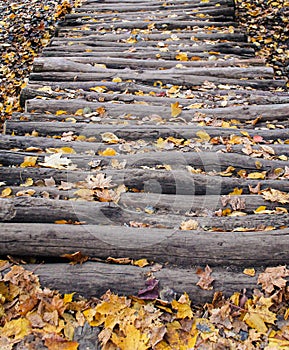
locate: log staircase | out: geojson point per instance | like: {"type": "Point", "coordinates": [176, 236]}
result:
{"type": "Point", "coordinates": [151, 130]}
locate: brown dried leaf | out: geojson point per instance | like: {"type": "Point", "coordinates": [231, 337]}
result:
{"type": "Point", "coordinates": [205, 279]}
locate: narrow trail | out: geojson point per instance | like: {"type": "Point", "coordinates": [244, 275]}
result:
{"type": "Point", "coordinates": [151, 130]}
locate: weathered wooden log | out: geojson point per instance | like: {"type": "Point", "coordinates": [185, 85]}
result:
{"type": "Point", "coordinates": [94, 279]}
{"type": "Point", "coordinates": [211, 12]}
{"type": "Point", "coordinates": [207, 161]}
{"type": "Point", "coordinates": [134, 132]}
{"type": "Point", "coordinates": [39, 210]}
{"type": "Point", "coordinates": [159, 24]}
{"type": "Point", "coordinates": [153, 181]}
{"type": "Point", "coordinates": [30, 92]}
{"type": "Point", "coordinates": [115, 62]}
{"type": "Point", "coordinates": [87, 64]}
{"type": "Point", "coordinates": [278, 111]}
{"type": "Point", "coordinates": [22, 143]}
{"type": "Point", "coordinates": [84, 51]}
{"type": "Point", "coordinates": [172, 49]}
{"type": "Point", "coordinates": [193, 35]}
{"type": "Point", "coordinates": [148, 78]}
{"type": "Point", "coordinates": [182, 248]}
{"type": "Point", "coordinates": [65, 65]}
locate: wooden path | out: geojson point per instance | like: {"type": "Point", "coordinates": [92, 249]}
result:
{"type": "Point", "coordinates": [151, 131]}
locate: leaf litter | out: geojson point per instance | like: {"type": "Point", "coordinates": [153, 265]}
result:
{"type": "Point", "coordinates": [39, 318]}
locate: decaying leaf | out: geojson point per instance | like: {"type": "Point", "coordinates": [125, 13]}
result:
{"type": "Point", "coordinates": [75, 258]}
{"type": "Point", "coordinates": [189, 225]}
{"type": "Point", "coordinates": [205, 278]}
{"type": "Point", "coordinates": [56, 161]}
{"type": "Point", "coordinates": [273, 277]}
{"type": "Point", "coordinates": [176, 110]}
{"type": "Point", "coordinates": [273, 195]}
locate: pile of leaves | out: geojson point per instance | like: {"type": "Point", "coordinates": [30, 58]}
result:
{"type": "Point", "coordinates": [267, 25]}
{"type": "Point", "coordinates": [26, 26]}
{"type": "Point", "coordinates": [32, 317]}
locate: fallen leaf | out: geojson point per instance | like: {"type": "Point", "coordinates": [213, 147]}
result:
{"type": "Point", "coordinates": [109, 137]}
{"type": "Point", "coordinates": [29, 161]}
{"type": "Point", "coordinates": [273, 277]}
{"type": "Point", "coordinates": [176, 110]}
{"type": "Point", "coordinates": [75, 258]}
{"type": "Point", "coordinates": [205, 278]}
{"type": "Point", "coordinates": [249, 272]}
{"type": "Point", "coordinates": [151, 291]}
{"type": "Point", "coordinates": [189, 225]}
{"type": "Point", "coordinates": [108, 152]}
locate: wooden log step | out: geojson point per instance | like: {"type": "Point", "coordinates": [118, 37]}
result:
{"type": "Point", "coordinates": [121, 63]}
{"type": "Point", "coordinates": [135, 132]}
{"type": "Point", "coordinates": [153, 181]}
{"type": "Point", "coordinates": [129, 87]}
{"type": "Point", "coordinates": [166, 24]}
{"type": "Point", "coordinates": [158, 99]}
{"type": "Point", "coordinates": [132, 88]}
{"type": "Point", "coordinates": [155, 2]}
{"type": "Point", "coordinates": [207, 161]}
{"type": "Point", "coordinates": [93, 279]}
{"type": "Point", "coordinates": [210, 13]}
{"type": "Point", "coordinates": [267, 112]}
{"type": "Point", "coordinates": [62, 205]}
{"type": "Point", "coordinates": [227, 12]}
{"type": "Point", "coordinates": [193, 35]}
{"type": "Point", "coordinates": [190, 81]}
{"type": "Point", "coordinates": [67, 65]}
{"type": "Point", "coordinates": [158, 245]}
{"type": "Point", "coordinates": [153, 48]}
{"type": "Point", "coordinates": [23, 143]}
{"type": "Point", "coordinates": [84, 51]}
{"type": "Point", "coordinates": [25, 209]}
{"type": "Point", "coordinates": [232, 99]}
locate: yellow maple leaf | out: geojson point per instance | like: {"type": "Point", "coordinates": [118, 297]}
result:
{"type": "Point", "coordinates": [176, 110]}
{"type": "Point", "coordinates": [236, 192]}
{"type": "Point", "coordinates": [28, 161]}
{"type": "Point", "coordinates": [141, 262]}
{"type": "Point", "coordinates": [116, 80]}
{"type": "Point", "coordinates": [18, 329]}
{"type": "Point", "coordinates": [249, 272]}
{"type": "Point", "coordinates": [134, 339]}
{"type": "Point", "coordinates": [6, 192]}
{"type": "Point", "coordinates": [257, 175]}
{"type": "Point", "coordinates": [182, 56]}
{"type": "Point", "coordinates": [203, 135]}
{"type": "Point", "coordinates": [108, 152]}
{"type": "Point", "coordinates": [258, 314]}
{"type": "Point", "coordinates": [67, 298]}
{"type": "Point", "coordinates": [98, 89]}
{"type": "Point", "coordinates": [183, 307]}
{"type": "Point", "coordinates": [60, 112]}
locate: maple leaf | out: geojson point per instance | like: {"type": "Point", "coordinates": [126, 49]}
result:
{"type": "Point", "coordinates": [134, 339]}
{"type": "Point", "coordinates": [98, 181]}
{"type": "Point", "coordinates": [75, 258]}
{"type": "Point", "coordinates": [56, 161]}
{"type": "Point", "coordinates": [151, 291]}
{"type": "Point", "coordinates": [16, 329]}
{"type": "Point", "coordinates": [258, 314]}
{"type": "Point", "coordinates": [205, 278]}
{"type": "Point", "coordinates": [176, 110]}
{"type": "Point", "coordinates": [189, 225]}
{"type": "Point", "coordinates": [273, 277]}
{"type": "Point", "coordinates": [183, 307]}
{"type": "Point", "coordinates": [275, 196]}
